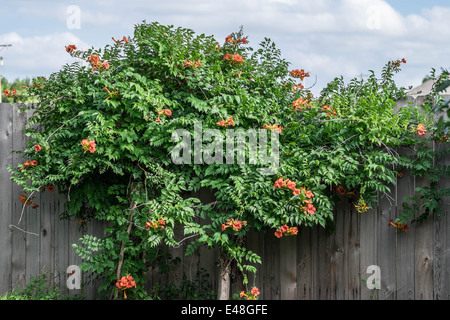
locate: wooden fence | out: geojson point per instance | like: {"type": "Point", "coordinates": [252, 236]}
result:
{"type": "Point", "coordinates": [315, 264]}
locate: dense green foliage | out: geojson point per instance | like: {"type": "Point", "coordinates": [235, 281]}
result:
{"type": "Point", "coordinates": [105, 139]}
{"type": "Point", "coordinates": [428, 199]}
{"type": "Point", "coordinates": [38, 288]}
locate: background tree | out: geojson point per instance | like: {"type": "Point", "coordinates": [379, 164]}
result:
{"type": "Point", "coordinates": [20, 86]}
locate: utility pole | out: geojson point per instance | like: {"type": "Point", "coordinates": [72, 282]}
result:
{"type": "Point", "coordinates": [1, 63]}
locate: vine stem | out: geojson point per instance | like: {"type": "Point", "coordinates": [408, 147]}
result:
{"type": "Point", "coordinates": [122, 247]}
{"type": "Point", "coordinates": [23, 207]}
{"type": "Point", "coordinates": [60, 127]}
{"type": "Point", "coordinates": [28, 232]}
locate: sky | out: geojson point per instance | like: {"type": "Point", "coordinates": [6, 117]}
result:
{"type": "Point", "coordinates": [327, 38]}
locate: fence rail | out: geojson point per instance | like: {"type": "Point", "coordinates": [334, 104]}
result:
{"type": "Point", "coordinates": [315, 264]}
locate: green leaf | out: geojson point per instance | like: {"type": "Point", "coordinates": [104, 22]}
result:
{"type": "Point", "coordinates": [442, 86]}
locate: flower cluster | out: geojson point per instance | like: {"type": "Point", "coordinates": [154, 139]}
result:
{"type": "Point", "coordinates": [237, 41]}
{"type": "Point", "coordinates": [309, 207]}
{"type": "Point", "coordinates": [235, 224]}
{"type": "Point", "coordinates": [24, 199]}
{"type": "Point", "coordinates": [73, 51]}
{"type": "Point", "coordinates": [252, 295]}
{"type": "Point", "coordinates": [397, 63]}
{"type": "Point", "coordinates": [234, 58]}
{"type": "Point", "coordinates": [49, 188]}
{"type": "Point", "coordinates": [71, 48]}
{"type": "Point", "coordinates": [296, 87]}
{"type": "Point", "coordinates": [361, 206]}
{"type": "Point", "coordinates": [163, 112]}
{"type": "Point", "coordinates": [273, 127]}
{"type": "Point", "coordinates": [10, 94]}
{"type": "Point", "coordinates": [192, 64]}
{"type": "Point", "coordinates": [28, 164]}
{"type": "Point", "coordinates": [340, 189]}
{"type": "Point", "coordinates": [126, 282]}
{"type": "Point", "coordinates": [226, 123]}
{"type": "Point", "coordinates": [301, 103]}
{"type": "Point", "coordinates": [299, 74]}
{"type": "Point", "coordinates": [442, 138]}
{"type": "Point", "coordinates": [421, 129]}
{"type": "Point", "coordinates": [96, 64]}
{"type": "Point", "coordinates": [399, 225]}
{"type": "Point", "coordinates": [286, 231]}
{"type": "Point", "coordinates": [120, 42]}
{"type": "Point", "coordinates": [88, 145]}
{"type": "Point", "coordinates": [167, 112]}
{"type": "Point", "coordinates": [328, 110]}
{"type": "Point", "coordinates": [111, 94]}
{"type": "Point", "coordinates": [286, 183]}
{"type": "Point", "coordinates": [155, 225]}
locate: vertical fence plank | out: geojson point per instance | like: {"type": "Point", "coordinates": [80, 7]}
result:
{"type": "Point", "coordinates": [338, 271]}
{"type": "Point", "coordinates": [32, 222]}
{"type": "Point", "coordinates": [62, 247]}
{"type": "Point", "coordinates": [288, 268]}
{"type": "Point", "coordinates": [440, 282]}
{"type": "Point", "coordinates": [178, 253]}
{"type": "Point", "coordinates": [6, 132]}
{"type": "Point", "coordinates": [191, 265]}
{"type": "Point", "coordinates": [386, 247]}
{"type": "Point", "coordinates": [32, 247]}
{"type": "Point", "coordinates": [354, 254]}
{"type": "Point", "coordinates": [304, 264]}
{"type": "Point", "coordinates": [205, 266]}
{"type": "Point", "coordinates": [423, 261]}
{"type": "Point", "coordinates": [446, 258]}
{"type": "Point", "coordinates": [19, 216]}
{"type": "Point", "coordinates": [75, 232]}
{"type": "Point", "coordinates": [441, 255]}
{"type": "Point", "coordinates": [47, 235]}
{"type": "Point", "coordinates": [77, 229]}
{"type": "Point", "coordinates": [321, 263]}
{"type": "Point", "coordinates": [255, 243]}
{"type": "Point", "coordinates": [271, 267]}
{"type": "Point", "coordinates": [424, 252]}
{"type": "Point", "coordinates": [368, 248]}
{"type": "Point", "coordinates": [405, 240]}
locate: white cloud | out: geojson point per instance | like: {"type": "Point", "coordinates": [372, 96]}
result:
{"type": "Point", "coordinates": [90, 18]}
{"type": "Point", "coordinates": [327, 37]}
{"type": "Point", "coordinates": [37, 55]}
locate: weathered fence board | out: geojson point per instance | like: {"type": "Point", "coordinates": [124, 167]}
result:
{"type": "Point", "coordinates": [441, 256]}
{"type": "Point", "coordinates": [18, 239]}
{"type": "Point", "coordinates": [6, 197]}
{"type": "Point", "coordinates": [316, 264]}
{"type": "Point", "coordinates": [368, 249]}
{"type": "Point", "coordinates": [404, 243]}
{"type": "Point", "coordinates": [304, 265]}
{"type": "Point", "coordinates": [288, 269]}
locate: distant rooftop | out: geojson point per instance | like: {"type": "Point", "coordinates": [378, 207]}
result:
{"type": "Point", "coordinates": [424, 89]}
